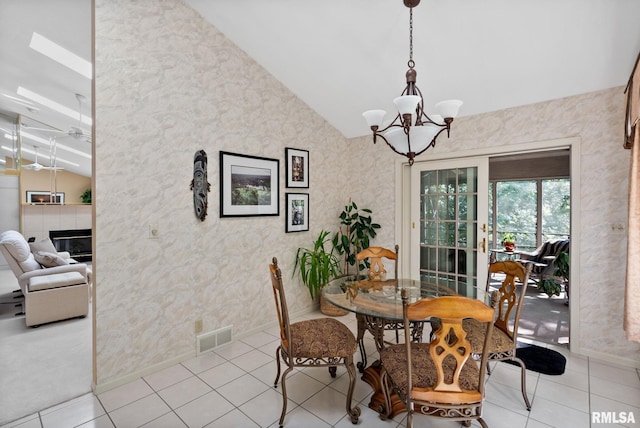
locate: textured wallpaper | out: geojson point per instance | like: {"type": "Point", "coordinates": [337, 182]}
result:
{"type": "Point", "coordinates": [168, 84]}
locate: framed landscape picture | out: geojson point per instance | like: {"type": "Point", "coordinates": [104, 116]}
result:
{"type": "Point", "coordinates": [249, 185]}
{"type": "Point", "coordinates": [297, 208]}
{"type": "Point", "coordinates": [297, 164]}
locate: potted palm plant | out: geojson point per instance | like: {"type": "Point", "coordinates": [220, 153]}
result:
{"type": "Point", "coordinates": [317, 266]}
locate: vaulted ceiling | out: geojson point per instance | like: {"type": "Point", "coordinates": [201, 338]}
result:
{"type": "Point", "coordinates": [345, 57]}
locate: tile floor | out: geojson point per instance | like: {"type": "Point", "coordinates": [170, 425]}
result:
{"type": "Point", "coordinates": [232, 386]}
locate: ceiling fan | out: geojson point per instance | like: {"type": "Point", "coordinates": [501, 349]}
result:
{"type": "Point", "coordinates": [35, 166]}
{"type": "Point", "coordinates": [74, 131]}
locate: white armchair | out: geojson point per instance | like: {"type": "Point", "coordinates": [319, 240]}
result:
{"type": "Point", "coordinates": [52, 293]}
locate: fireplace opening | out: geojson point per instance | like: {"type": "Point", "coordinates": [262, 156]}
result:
{"type": "Point", "coordinates": [76, 241]}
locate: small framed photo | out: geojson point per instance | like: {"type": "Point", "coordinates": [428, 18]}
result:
{"type": "Point", "coordinates": [43, 197]}
{"type": "Point", "coordinates": [297, 164]}
{"type": "Point", "coordinates": [249, 185]}
{"type": "Point", "coordinates": [297, 208]}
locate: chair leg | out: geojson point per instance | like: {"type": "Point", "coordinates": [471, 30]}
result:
{"type": "Point", "coordinates": [333, 370]}
{"type": "Point", "coordinates": [284, 394]}
{"type": "Point", "coordinates": [354, 413]}
{"type": "Point", "coordinates": [523, 381]}
{"type": "Point", "coordinates": [483, 423]}
{"type": "Point", "coordinates": [409, 423]}
{"type": "Point", "coordinates": [275, 382]}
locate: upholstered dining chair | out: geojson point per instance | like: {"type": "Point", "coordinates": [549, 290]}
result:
{"type": "Point", "coordinates": [441, 378]}
{"type": "Point", "coordinates": [320, 342]}
{"type": "Point", "coordinates": [377, 272]}
{"type": "Point", "coordinates": [507, 303]}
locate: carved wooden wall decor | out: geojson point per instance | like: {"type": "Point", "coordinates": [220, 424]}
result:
{"type": "Point", "coordinates": [633, 107]}
{"type": "Point", "coordinates": [200, 185]}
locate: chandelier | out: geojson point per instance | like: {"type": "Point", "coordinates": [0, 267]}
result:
{"type": "Point", "coordinates": [412, 131]}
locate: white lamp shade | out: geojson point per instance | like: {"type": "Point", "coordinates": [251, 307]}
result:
{"type": "Point", "coordinates": [437, 119]}
{"type": "Point", "coordinates": [448, 108]}
{"type": "Point", "coordinates": [407, 103]}
{"type": "Point", "coordinates": [421, 137]}
{"type": "Point", "coordinates": [374, 117]}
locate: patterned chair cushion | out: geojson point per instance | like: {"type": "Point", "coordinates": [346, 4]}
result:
{"type": "Point", "coordinates": [394, 361]}
{"type": "Point", "coordinates": [500, 341]}
{"type": "Point", "coordinates": [322, 338]}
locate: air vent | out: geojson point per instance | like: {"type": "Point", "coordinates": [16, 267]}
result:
{"type": "Point", "coordinates": [213, 339]}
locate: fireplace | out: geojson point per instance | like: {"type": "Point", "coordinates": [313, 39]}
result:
{"type": "Point", "coordinates": [76, 241]}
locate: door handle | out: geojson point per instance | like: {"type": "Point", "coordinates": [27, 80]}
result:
{"type": "Point", "coordinates": [484, 245]}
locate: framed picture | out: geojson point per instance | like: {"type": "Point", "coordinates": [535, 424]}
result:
{"type": "Point", "coordinates": [249, 185]}
{"type": "Point", "coordinates": [297, 163]}
{"type": "Point", "coordinates": [297, 208]}
{"type": "Point", "coordinates": [42, 197]}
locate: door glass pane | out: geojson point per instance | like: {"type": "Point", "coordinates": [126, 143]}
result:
{"type": "Point", "coordinates": [428, 182]}
{"type": "Point", "coordinates": [448, 229]}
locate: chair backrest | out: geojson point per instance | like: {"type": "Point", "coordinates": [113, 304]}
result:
{"type": "Point", "coordinates": [506, 299]}
{"type": "Point", "coordinates": [281, 304]}
{"type": "Point", "coordinates": [376, 271]}
{"type": "Point", "coordinates": [17, 252]}
{"type": "Point", "coordinates": [551, 248]}
{"type": "Point", "coordinates": [449, 349]}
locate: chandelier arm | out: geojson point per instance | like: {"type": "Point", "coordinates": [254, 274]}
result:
{"type": "Point", "coordinates": [397, 122]}
{"type": "Point", "coordinates": [409, 155]}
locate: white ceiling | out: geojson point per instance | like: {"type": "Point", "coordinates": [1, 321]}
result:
{"type": "Point", "coordinates": [345, 57]}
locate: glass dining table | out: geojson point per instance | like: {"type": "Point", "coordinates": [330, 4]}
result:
{"type": "Point", "coordinates": [378, 303]}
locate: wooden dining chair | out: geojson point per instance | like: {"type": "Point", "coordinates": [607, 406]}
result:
{"type": "Point", "coordinates": [377, 272]}
{"type": "Point", "coordinates": [320, 342]}
{"type": "Point", "coordinates": [441, 378]}
{"type": "Point", "coordinates": [507, 303]}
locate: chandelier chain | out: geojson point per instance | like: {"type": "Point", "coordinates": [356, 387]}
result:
{"type": "Point", "coordinates": [411, 63]}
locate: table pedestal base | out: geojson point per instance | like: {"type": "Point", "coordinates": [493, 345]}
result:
{"type": "Point", "coordinates": [371, 376]}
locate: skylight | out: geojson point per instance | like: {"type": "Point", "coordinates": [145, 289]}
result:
{"type": "Point", "coordinates": [58, 159]}
{"type": "Point", "coordinates": [59, 54]}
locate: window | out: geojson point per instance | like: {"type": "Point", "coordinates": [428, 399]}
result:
{"type": "Point", "coordinates": [534, 211]}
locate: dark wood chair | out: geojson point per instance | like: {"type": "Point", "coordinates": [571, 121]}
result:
{"type": "Point", "coordinates": [320, 342]}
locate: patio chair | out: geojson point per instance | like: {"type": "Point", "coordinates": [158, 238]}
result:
{"type": "Point", "coordinates": [542, 258]}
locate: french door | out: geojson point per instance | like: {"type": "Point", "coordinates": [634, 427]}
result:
{"type": "Point", "coordinates": [449, 215]}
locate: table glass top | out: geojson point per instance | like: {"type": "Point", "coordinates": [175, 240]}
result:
{"type": "Point", "coordinates": [382, 299]}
